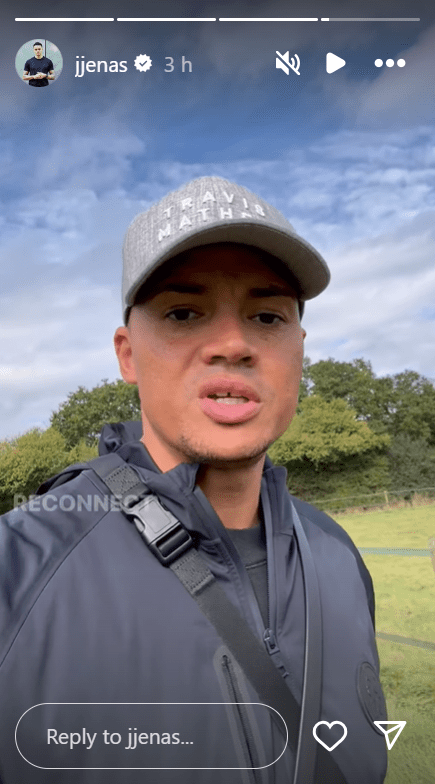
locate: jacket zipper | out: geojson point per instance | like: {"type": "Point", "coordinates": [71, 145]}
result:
{"type": "Point", "coordinates": [274, 651]}
{"type": "Point", "coordinates": [245, 732]}
{"type": "Point", "coordinates": [269, 636]}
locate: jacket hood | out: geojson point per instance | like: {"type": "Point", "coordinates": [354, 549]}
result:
{"type": "Point", "coordinates": [114, 435]}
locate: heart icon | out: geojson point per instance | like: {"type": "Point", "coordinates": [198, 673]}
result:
{"type": "Point", "coordinates": [329, 725]}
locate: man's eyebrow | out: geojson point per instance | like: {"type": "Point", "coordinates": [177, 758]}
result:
{"type": "Point", "coordinates": [273, 290]}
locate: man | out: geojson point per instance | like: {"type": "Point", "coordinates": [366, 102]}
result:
{"type": "Point", "coordinates": [214, 285]}
{"type": "Point", "coordinates": [39, 70]}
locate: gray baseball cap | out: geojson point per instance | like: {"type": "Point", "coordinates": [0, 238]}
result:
{"type": "Point", "coordinates": [210, 210]}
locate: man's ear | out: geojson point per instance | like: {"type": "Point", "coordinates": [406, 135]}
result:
{"type": "Point", "coordinates": [122, 342]}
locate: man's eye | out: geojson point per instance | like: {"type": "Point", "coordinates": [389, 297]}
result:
{"type": "Point", "coordinates": [183, 311]}
{"type": "Point", "coordinates": [182, 315]}
{"type": "Point", "coordinates": [269, 316]}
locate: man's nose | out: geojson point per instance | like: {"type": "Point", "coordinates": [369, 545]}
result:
{"type": "Point", "coordinates": [229, 339]}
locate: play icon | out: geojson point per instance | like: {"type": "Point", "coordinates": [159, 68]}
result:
{"type": "Point", "coordinates": [333, 62]}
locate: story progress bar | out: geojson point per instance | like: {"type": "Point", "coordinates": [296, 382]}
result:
{"type": "Point", "coordinates": [210, 19]}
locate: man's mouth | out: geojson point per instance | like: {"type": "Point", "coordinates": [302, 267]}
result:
{"type": "Point", "coordinates": [225, 408]}
{"type": "Point", "coordinates": [229, 399]}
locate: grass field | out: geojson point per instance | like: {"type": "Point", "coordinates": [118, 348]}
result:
{"type": "Point", "coordinates": [405, 605]}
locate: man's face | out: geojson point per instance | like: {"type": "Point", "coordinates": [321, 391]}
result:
{"type": "Point", "coordinates": [176, 342]}
{"type": "Point", "coordinates": [38, 51]}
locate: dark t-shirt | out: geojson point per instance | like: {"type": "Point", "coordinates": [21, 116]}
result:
{"type": "Point", "coordinates": [34, 66]}
{"type": "Point", "coordinates": [251, 546]}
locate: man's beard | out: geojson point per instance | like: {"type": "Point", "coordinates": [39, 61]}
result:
{"type": "Point", "coordinates": [208, 456]}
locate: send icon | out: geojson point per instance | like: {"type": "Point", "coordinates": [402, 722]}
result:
{"type": "Point", "coordinates": [396, 725]}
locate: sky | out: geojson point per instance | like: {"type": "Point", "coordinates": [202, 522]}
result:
{"type": "Point", "coordinates": [348, 158]}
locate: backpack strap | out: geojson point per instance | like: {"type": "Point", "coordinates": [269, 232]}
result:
{"type": "Point", "coordinates": [172, 544]}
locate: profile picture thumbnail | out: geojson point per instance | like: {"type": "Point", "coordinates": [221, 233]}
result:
{"type": "Point", "coordinates": [38, 63]}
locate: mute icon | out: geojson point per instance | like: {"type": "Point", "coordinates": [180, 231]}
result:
{"type": "Point", "coordinates": [284, 62]}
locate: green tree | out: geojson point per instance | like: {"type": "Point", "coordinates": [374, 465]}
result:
{"type": "Point", "coordinates": [30, 459]}
{"type": "Point", "coordinates": [85, 411]}
{"type": "Point", "coordinates": [413, 406]}
{"type": "Point", "coordinates": [328, 452]}
{"type": "Point", "coordinates": [355, 383]}
{"type": "Point", "coordinates": [412, 463]}
{"type": "Point", "coordinates": [325, 431]}
{"type": "Point", "coordinates": [340, 485]}
{"type": "Point", "coordinates": [402, 403]}
{"type": "Point", "coordinates": [306, 381]}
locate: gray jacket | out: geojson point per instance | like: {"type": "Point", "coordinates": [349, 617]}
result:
{"type": "Point", "coordinates": [99, 640]}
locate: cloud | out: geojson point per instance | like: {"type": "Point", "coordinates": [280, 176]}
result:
{"type": "Point", "coordinates": [379, 303]}
{"type": "Point", "coordinates": [387, 98]}
{"type": "Point", "coordinates": [78, 155]}
{"type": "Point", "coordinates": [402, 96]}
{"type": "Point", "coordinates": [54, 338]}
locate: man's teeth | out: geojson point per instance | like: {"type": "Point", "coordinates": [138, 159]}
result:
{"type": "Point", "coordinates": [228, 400]}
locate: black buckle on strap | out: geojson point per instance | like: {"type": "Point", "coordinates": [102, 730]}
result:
{"type": "Point", "coordinates": [163, 533]}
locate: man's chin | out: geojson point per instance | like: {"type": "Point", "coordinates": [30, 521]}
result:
{"type": "Point", "coordinates": [225, 457]}
{"type": "Point", "coordinates": [232, 464]}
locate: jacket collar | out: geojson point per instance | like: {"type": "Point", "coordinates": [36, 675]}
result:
{"type": "Point", "coordinates": [177, 488]}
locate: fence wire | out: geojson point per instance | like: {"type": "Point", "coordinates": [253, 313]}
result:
{"type": "Point", "coordinates": [381, 499]}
